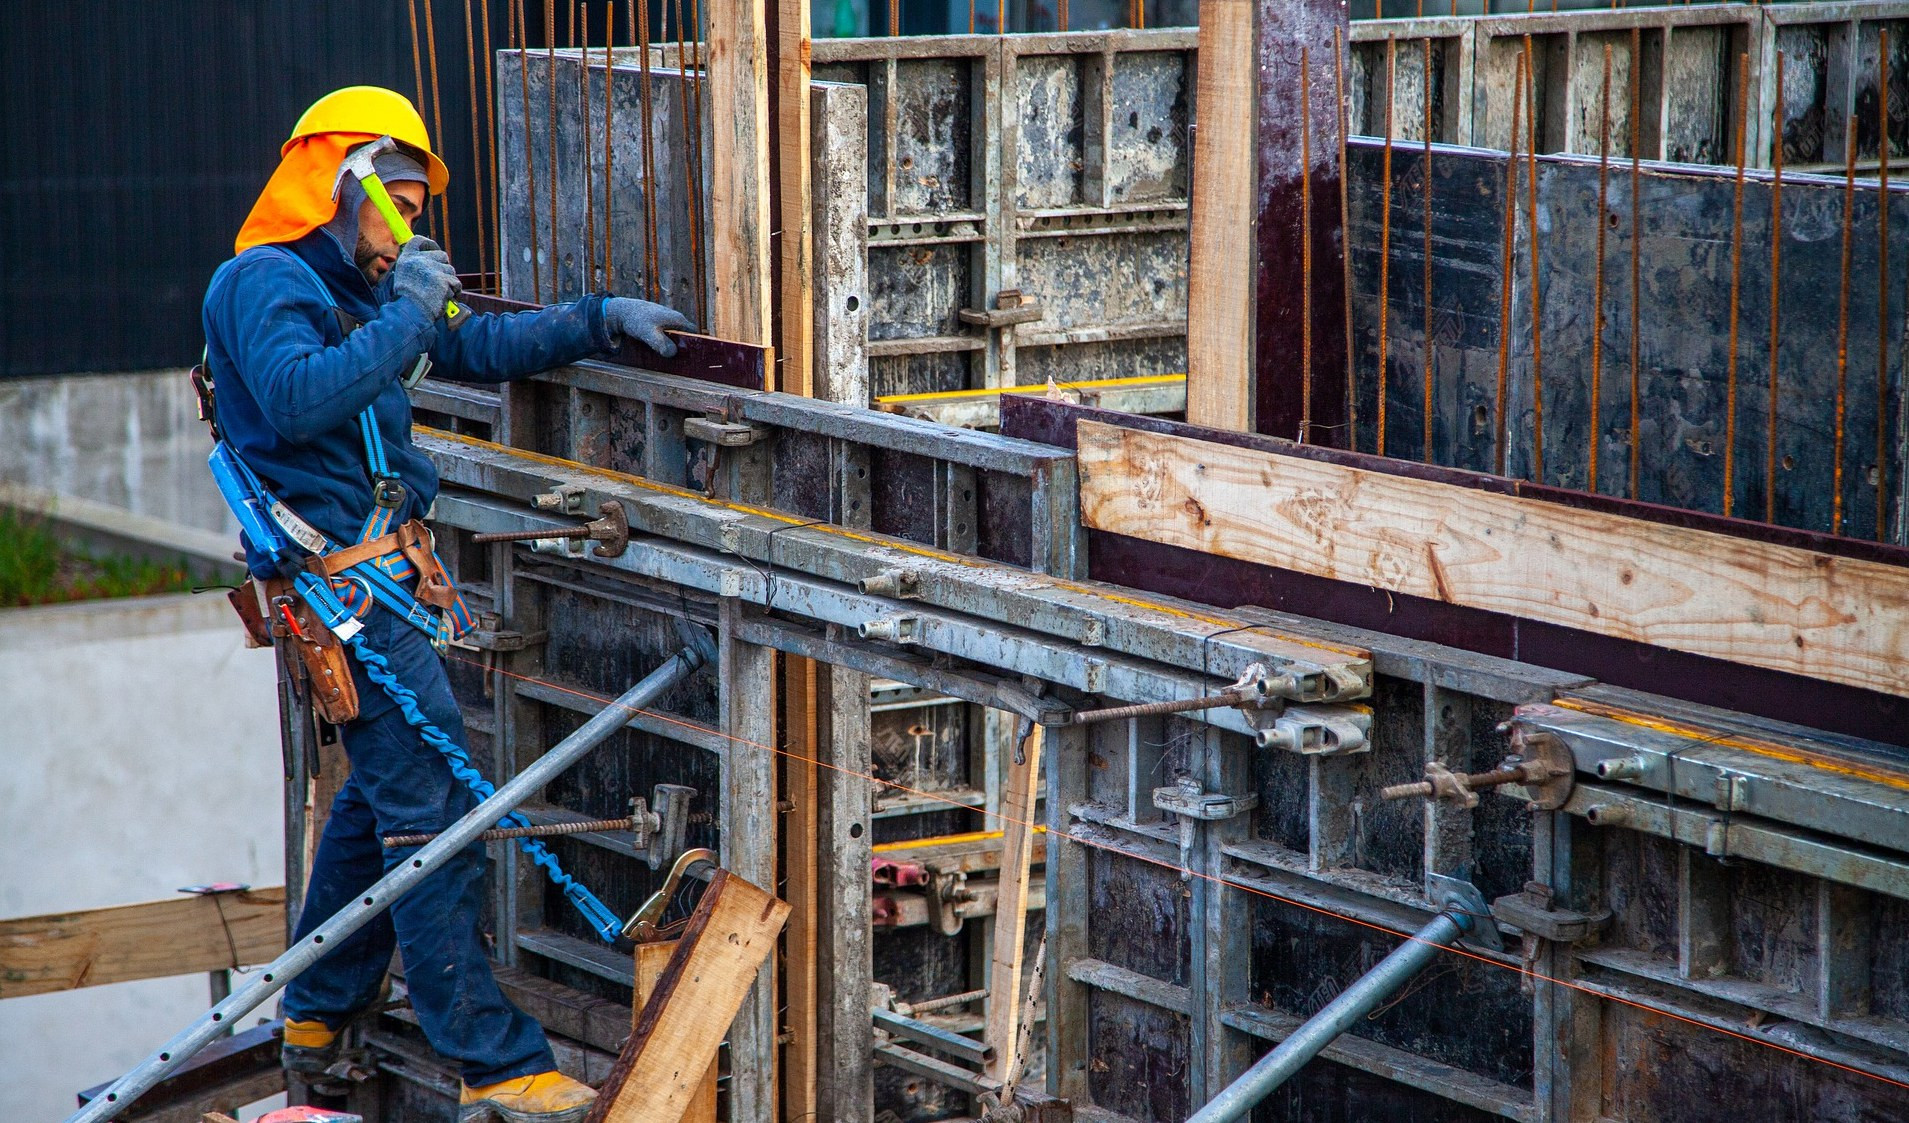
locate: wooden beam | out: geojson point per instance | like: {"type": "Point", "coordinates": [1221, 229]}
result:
{"type": "Point", "coordinates": [1220, 273]}
{"type": "Point", "coordinates": [1266, 324]}
{"type": "Point", "coordinates": [794, 266]}
{"type": "Point", "coordinates": [738, 81]}
{"type": "Point", "coordinates": [651, 960]}
{"type": "Point", "coordinates": [1783, 608]}
{"type": "Point", "coordinates": [696, 997]}
{"type": "Point", "coordinates": [63, 951]}
{"type": "Point", "coordinates": [800, 869]}
{"type": "Point", "coordinates": [1018, 807]}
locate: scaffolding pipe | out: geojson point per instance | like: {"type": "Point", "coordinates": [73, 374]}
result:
{"type": "Point", "coordinates": [1319, 1031]}
{"type": "Point", "coordinates": [288, 966]}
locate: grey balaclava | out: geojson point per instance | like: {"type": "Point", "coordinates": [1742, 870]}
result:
{"type": "Point", "coordinates": [393, 167]}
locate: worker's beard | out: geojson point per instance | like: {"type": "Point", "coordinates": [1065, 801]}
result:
{"type": "Point", "coordinates": [365, 257]}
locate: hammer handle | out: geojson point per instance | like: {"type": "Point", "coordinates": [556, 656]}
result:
{"type": "Point", "coordinates": [401, 233]}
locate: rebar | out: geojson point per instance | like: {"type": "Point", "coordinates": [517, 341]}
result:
{"type": "Point", "coordinates": [1736, 292]}
{"type": "Point", "coordinates": [1776, 274]}
{"type": "Point", "coordinates": [573, 533]}
{"type": "Point", "coordinates": [1385, 242]}
{"type": "Point", "coordinates": [1597, 284]}
{"type": "Point", "coordinates": [549, 830]}
{"type": "Point", "coordinates": [1425, 789]}
{"type": "Point", "coordinates": [1150, 709]}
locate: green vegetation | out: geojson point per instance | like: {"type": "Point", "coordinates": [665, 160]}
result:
{"type": "Point", "coordinates": [37, 568]}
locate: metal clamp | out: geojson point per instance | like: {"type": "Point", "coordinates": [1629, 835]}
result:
{"type": "Point", "coordinates": [723, 434]}
{"type": "Point", "coordinates": [1314, 730]}
{"type": "Point", "coordinates": [898, 629]}
{"type": "Point", "coordinates": [568, 497]}
{"type": "Point", "coordinates": [646, 925]}
{"type": "Point", "coordinates": [1011, 306]}
{"type": "Point", "coordinates": [1194, 804]}
{"type": "Point", "coordinates": [901, 584]}
{"type": "Point", "coordinates": [1531, 913]}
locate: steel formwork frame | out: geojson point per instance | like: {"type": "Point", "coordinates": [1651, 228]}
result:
{"type": "Point", "coordinates": [1716, 796]}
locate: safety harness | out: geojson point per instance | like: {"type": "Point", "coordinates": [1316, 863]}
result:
{"type": "Point", "coordinates": [338, 584]}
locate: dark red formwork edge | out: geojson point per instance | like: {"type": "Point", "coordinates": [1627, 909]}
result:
{"type": "Point", "coordinates": [726, 363]}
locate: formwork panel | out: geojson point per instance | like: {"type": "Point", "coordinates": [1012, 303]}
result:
{"type": "Point", "coordinates": [1140, 1063]}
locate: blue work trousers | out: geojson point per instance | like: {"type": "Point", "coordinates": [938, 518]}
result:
{"type": "Point", "coordinates": [400, 785]}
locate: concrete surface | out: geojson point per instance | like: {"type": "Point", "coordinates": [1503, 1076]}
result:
{"type": "Point", "coordinates": [127, 441]}
{"type": "Point", "coordinates": [140, 750]}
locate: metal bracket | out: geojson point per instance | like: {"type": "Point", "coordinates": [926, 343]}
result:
{"type": "Point", "coordinates": [1531, 913]}
{"type": "Point", "coordinates": [946, 889]}
{"type": "Point", "coordinates": [1314, 730]}
{"type": "Point", "coordinates": [902, 584]}
{"type": "Point", "coordinates": [723, 434]}
{"type": "Point", "coordinates": [1011, 306]}
{"type": "Point", "coordinates": [898, 629]}
{"type": "Point", "coordinates": [1457, 896]}
{"type": "Point", "coordinates": [568, 497]}
{"type": "Point", "coordinates": [489, 636]}
{"type": "Point", "coordinates": [1194, 804]}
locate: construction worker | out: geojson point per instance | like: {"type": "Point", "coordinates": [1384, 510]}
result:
{"type": "Point", "coordinates": [310, 331]}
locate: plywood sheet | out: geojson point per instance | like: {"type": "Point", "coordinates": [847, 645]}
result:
{"type": "Point", "coordinates": [1778, 607]}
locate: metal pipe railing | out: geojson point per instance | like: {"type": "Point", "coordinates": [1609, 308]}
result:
{"type": "Point", "coordinates": [1355, 1002]}
{"type": "Point", "coordinates": [296, 959]}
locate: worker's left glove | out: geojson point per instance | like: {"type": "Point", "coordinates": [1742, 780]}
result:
{"type": "Point", "coordinates": [639, 319]}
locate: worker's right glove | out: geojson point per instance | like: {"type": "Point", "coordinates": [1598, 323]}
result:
{"type": "Point", "coordinates": [425, 276]}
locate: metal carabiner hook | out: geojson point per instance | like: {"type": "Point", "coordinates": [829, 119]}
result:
{"type": "Point", "coordinates": [645, 926]}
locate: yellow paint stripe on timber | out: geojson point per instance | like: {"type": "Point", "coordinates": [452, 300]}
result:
{"type": "Point", "coordinates": [1135, 383]}
{"type": "Point", "coordinates": [1769, 749]}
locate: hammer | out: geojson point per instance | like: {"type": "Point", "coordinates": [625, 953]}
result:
{"type": "Point", "coordinates": [362, 163]}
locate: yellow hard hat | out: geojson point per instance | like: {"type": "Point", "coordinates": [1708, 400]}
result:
{"type": "Point", "coordinates": [378, 112]}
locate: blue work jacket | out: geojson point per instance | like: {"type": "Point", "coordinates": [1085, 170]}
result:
{"type": "Point", "coordinates": [291, 383]}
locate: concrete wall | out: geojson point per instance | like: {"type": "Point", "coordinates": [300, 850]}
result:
{"type": "Point", "coordinates": [140, 751]}
{"type": "Point", "coordinates": [130, 442]}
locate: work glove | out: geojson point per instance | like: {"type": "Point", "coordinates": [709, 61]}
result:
{"type": "Point", "coordinates": [425, 276]}
{"type": "Point", "coordinates": [639, 319]}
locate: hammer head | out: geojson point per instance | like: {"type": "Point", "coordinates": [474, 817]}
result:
{"type": "Point", "coordinates": [361, 162]}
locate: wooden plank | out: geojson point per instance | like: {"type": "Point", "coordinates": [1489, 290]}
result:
{"type": "Point", "coordinates": [1778, 607]}
{"type": "Point", "coordinates": [795, 330]}
{"type": "Point", "coordinates": [651, 960]}
{"type": "Point", "coordinates": [1018, 808]}
{"type": "Point", "coordinates": [739, 171]}
{"type": "Point", "coordinates": [63, 951]}
{"type": "Point", "coordinates": [799, 886]}
{"type": "Point", "coordinates": [1220, 274]}
{"type": "Point", "coordinates": [699, 992]}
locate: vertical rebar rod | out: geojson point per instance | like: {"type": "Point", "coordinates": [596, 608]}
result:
{"type": "Point", "coordinates": [1882, 280]}
{"type": "Point", "coordinates": [1736, 290]}
{"type": "Point", "coordinates": [589, 234]}
{"type": "Point", "coordinates": [1506, 276]}
{"type": "Point", "coordinates": [1385, 244]}
{"type": "Point", "coordinates": [1597, 283]}
{"type": "Point", "coordinates": [1238, 1099]}
{"type": "Point", "coordinates": [1637, 254]}
{"type": "Point", "coordinates": [1842, 327]}
{"type": "Point", "coordinates": [417, 80]}
{"type": "Point", "coordinates": [550, 127]}
{"type": "Point", "coordinates": [1531, 239]}
{"type": "Point", "coordinates": [1425, 220]}
{"type": "Point", "coordinates": [375, 900]}
{"type": "Point", "coordinates": [641, 10]}
{"type": "Point", "coordinates": [609, 142]}
{"type": "Point", "coordinates": [437, 123]}
{"type": "Point", "coordinates": [495, 214]}
{"type": "Point", "coordinates": [1776, 288]}
{"type": "Point", "coordinates": [1339, 49]}
{"type": "Point", "coordinates": [1305, 244]}
{"type": "Point", "coordinates": [477, 136]}
{"type": "Point", "coordinates": [522, 27]}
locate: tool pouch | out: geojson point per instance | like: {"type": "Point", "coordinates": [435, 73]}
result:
{"type": "Point", "coordinates": [334, 694]}
{"type": "Point", "coordinates": [434, 585]}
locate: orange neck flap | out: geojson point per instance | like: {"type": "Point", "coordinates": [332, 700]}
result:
{"type": "Point", "coordinates": [298, 199]}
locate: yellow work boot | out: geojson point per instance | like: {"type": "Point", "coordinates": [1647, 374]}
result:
{"type": "Point", "coordinates": [548, 1097]}
{"type": "Point", "coordinates": [309, 1047]}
